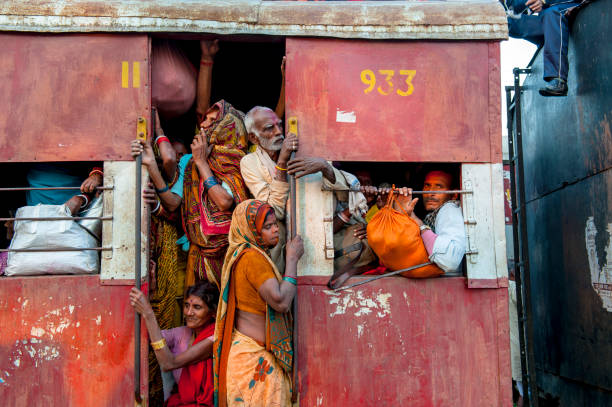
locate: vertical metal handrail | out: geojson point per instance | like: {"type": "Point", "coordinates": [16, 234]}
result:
{"type": "Point", "coordinates": [292, 233]}
{"type": "Point", "coordinates": [521, 240]}
{"type": "Point", "coordinates": [137, 267]}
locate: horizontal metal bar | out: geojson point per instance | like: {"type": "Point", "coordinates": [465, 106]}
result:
{"type": "Point", "coordinates": [51, 189]}
{"type": "Point", "coordinates": [62, 218]}
{"type": "Point", "coordinates": [97, 249]}
{"type": "Point", "coordinates": [458, 191]}
{"type": "Point", "coordinates": [472, 252]}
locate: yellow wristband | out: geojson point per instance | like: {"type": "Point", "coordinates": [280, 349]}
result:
{"type": "Point", "coordinates": [280, 169]}
{"type": "Point", "coordinates": [159, 344]}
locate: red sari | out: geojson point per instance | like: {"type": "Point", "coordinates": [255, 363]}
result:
{"type": "Point", "coordinates": [195, 387]}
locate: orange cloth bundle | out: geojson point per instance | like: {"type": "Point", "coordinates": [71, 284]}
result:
{"type": "Point", "coordinates": [396, 240]}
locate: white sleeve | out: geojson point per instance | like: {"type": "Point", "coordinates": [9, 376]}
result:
{"type": "Point", "coordinates": [449, 247]}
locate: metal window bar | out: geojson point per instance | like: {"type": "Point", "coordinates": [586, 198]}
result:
{"type": "Point", "coordinates": [61, 218]}
{"type": "Point", "coordinates": [457, 191]}
{"type": "Point", "coordinates": [12, 189]}
{"type": "Point", "coordinates": [99, 249]}
{"type": "Point", "coordinates": [520, 238]}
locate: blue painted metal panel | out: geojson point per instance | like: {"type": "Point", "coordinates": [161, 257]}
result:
{"type": "Point", "coordinates": [569, 138]}
{"type": "Point", "coordinates": [568, 179]}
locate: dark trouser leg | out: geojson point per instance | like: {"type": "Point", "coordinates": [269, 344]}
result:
{"type": "Point", "coordinates": [556, 39]}
{"type": "Point", "coordinates": [527, 28]}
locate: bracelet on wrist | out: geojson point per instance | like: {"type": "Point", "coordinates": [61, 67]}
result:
{"type": "Point", "coordinates": [157, 345]}
{"type": "Point", "coordinates": [343, 217]}
{"type": "Point", "coordinates": [162, 190]}
{"type": "Point", "coordinates": [290, 280]}
{"type": "Point", "coordinates": [210, 182]}
{"type": "Point", "coordinates": [161, 139]}
{"type": "Point", "coordinates": [424, 227]}
{"type": "Point", "coordinates": [96, 171]}
{"type": "Point", "coordinates": [206, 62]}
{"type": "Point", "coordinates": [156, 207]}
{"type": "Point", "coordinates": [85, 199]}
{"type": "Point", "coordinates": [280, 168]}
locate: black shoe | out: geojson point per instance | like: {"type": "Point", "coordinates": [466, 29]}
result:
{"type": "Point", "coordinates": [556, 87]}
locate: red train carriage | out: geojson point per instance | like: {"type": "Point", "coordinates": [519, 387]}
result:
{"type": "Point", "coordinates": [385, 86]}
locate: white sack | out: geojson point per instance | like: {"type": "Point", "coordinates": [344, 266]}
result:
{"type": "Point", "coordinates": [50, 235]}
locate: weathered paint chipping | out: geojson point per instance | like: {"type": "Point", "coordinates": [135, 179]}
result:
{"type": "Point", "coordinates": [459, 20]}
{"type": "Point", "coordinates": [359, 303]}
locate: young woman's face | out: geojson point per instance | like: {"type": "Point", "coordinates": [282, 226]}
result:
{"type": "Point", "coordinates": [269, 231]}
{"type": "Point", "coordinates": [196, 312]}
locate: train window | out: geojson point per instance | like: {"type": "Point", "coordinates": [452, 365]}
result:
{"type": "Point", "coordinates": [481, 198]}
{"type": "Point", "coordinates": [385, 175]}
{"type": "Point", "coordinates": [61, 227]}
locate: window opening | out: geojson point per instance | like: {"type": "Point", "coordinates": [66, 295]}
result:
{"type": "Point", "coordinates": [63, 236]}
{"type": "Point", "coordinates": [386, 175]}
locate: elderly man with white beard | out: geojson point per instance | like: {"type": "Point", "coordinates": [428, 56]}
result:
{"type": "Point", "coordinates": [265, 170]}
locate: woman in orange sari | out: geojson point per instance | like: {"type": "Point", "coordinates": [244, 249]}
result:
{"type": "Point", "coordinates": [253, 352]}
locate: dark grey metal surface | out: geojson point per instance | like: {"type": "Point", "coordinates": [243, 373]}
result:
{"type": "Point", "coordinates": [567, 144]}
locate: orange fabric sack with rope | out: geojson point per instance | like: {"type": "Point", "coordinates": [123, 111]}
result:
{"type": "Point", "coordinates": [396, 239]}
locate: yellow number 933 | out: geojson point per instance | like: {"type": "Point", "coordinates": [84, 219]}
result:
{"type": "Point", "coordinates": [368, 77]}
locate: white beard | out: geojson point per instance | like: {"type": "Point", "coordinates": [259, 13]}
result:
{"type": "Point", "coordinates": [273, 144]}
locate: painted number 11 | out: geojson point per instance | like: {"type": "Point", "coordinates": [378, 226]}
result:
{"type": "Point", "coordinates": [369, 78]}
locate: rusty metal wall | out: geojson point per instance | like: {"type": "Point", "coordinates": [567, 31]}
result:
{"type": "Point", "coordinates": [403, 342]}
{"type": "Point", "coordinates": [395, 101]}
{"type": "Point", "coordinates": [74, 97]}
{"type": "Point", "coordinates": [67, 341]}
{"type": "Point", "coordinates": [568, 176]}
{"type": "Point", "coordinates": [465, 20]}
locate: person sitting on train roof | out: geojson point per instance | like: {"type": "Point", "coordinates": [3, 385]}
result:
{"type": "Point", "coordinates": [49, 175]}
{"type": "Point", "coordinates": [186, 350]}
{"type": "Point", "coordinates": [550, 29]}
{"type": "Point", "coordinates": [442, 229]}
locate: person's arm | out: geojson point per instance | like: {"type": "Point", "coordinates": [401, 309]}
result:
{"type": "Point", "coordinates": [94, 180]}
{"type": "Point", "coordinates": [209, 49]}
{"type": "Point", "coordinates": [450, 243]}
{"type": "Point", "coordinates": [166, 152]}
{"type": "Point", "coordinates": [280, 106]}
{"type": "Point", "coordinates": [167, 360]}
{"type": "Point", "coordinates": [290, 144]}
{"type": "Point", "coordinates": [169, 200]}
{"type": "Point", "coordinates": [279, 295]}
{"type": "Point", "coordinates": [309, 165]}
{"type": "Point", "coordinates": [201, 150]}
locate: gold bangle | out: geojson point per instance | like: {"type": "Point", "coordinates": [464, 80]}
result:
{"type": "Point", "coordinates": [159, 344]}
{"type": "Point", "coordinates": [280, 168]}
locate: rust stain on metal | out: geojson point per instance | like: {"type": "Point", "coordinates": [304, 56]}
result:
{"type": "Point", "coordinates": [375, 20]}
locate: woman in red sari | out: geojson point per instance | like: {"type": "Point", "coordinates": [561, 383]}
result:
{"type": "Point", "coordinates": [188, 348]}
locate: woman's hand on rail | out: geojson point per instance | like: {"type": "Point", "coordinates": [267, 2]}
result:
{"type": "Point", "coordinates": [295, 249]}
{"type": "Point", "coordinates": [369, 191]}
{"type": "Point", "coordinates": [140, 302]}
{"type": "Point", "coordinates": [149, 196]}
{"type": "Point", "coordinates": [142, 147]}
{"type": "Point", "coordinates": [91, 183]}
